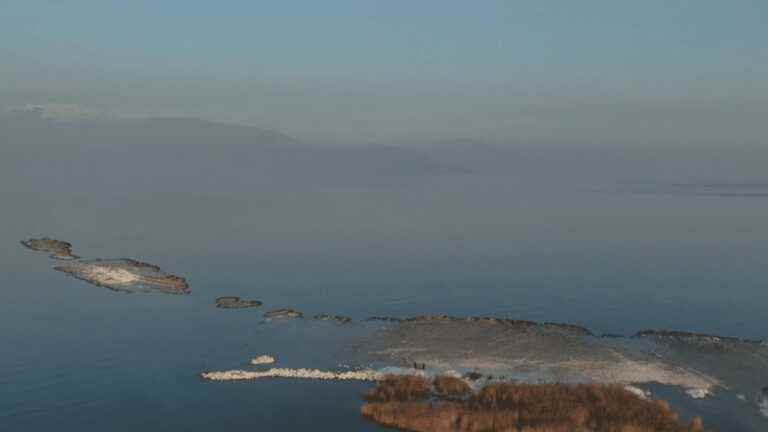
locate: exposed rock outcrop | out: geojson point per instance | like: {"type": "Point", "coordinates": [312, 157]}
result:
{"type": "Point", "coordinates": [283, 313]}
{"type": "Point", "coordinates": [569, 328]}
{"type": "Point", "coordinates": [125, 275]}
{"type": "Point", "coordinates": [262, 360]}
{"type": "Point", "coordinates": [701, 339]}
{"type": "Point", "coordinates": [56, 248]}
{"type": "Point", "coordinates": [338, 319]}
{"type": "Point", "coordinates": [233, 302]}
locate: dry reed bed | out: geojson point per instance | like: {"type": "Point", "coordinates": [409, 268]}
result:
{"type": "Point", "coordinates": [416, 404]}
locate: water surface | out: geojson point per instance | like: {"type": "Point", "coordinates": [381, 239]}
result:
{"type": "Point", "coordinates": [538, 247]}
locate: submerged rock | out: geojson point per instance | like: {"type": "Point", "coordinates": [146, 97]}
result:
{"type": "Point", "coordinates": [56, 248]}
{"type": "Point", "coordinates": [125, 275]}
{"type": "Point", "coordinates": [283, 313]}
{"type": "Point", "coordinates": [232, 302]}
{"type": "Point", "coordinates": [338, 319]}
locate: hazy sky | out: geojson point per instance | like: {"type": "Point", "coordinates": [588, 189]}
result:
{"type": "Point", "coordinates": [367, 71]}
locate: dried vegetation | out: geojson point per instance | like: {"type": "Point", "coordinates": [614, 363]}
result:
{"type": "Point", "coordinates": [444, 404]}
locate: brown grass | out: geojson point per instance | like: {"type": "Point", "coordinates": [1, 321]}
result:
{"type": "Point", "coordinates": [448, 386]}
{"type": "Point", "coordinates": [405, 388]}
{"type": "Point", "coordinates": [401, 402]}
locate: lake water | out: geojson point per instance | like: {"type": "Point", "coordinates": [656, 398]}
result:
{"type": "Point", "coordinates": [82, 358]}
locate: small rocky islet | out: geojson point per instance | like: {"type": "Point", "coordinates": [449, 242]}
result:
{"type": "Point", "coordinates": [262, 360]}
{"type": "Point", "coordinates": [125, 275]}
{"type": "Point", "coordinates": [338, 319]}
{"type": "Point", "coordinates": [56, 249]}
{"type": "Point", "coordinates": [283, 313]}
{"type": "Point", "coordinates": [234, 302]}
{"type": "Point", "coordinates": [700, 339]}
{"type": "Point", "coordinates": [121, 275]}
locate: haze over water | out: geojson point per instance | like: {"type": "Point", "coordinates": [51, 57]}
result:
{"type": "Point", "coordinates": [516, 232]}
{"type": "Point", "coordinates": [598, 164]}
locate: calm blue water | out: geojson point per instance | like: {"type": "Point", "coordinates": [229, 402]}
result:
{"type": "Point", "coordinates": [78, 357]}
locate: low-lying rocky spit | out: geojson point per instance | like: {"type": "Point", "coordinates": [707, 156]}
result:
{"type": "Point", "coordinates": [418, 401]}
{"type": "Point", "coordinates": [301, 373]}
{"type": "Point", "coordinates": [528, 352]}
{"type": "Point", "coordinates": [338, 319]}
{"type": "Point", "coordinates": [283, 313]}
{"type": "Point", "coordinates": [56, 248]}
{"type": "Point", "coordinates": [513, 323]}
{"type": "Point", "coordinates": [233, 302]}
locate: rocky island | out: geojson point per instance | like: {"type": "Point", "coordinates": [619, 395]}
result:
{"type": "Point", "coordinates": [57, 249]}
{"type": "Point", "coordinates": [125, 275]}
{"type": "Point", "coordinates": [283, 313]}
{"type": "Point", "coordinates": [233, 302]}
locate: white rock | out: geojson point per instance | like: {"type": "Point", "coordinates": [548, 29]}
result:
{"type": "Point", "coordinates": [262, 359]}
{"type": "Point", "coordinates": [698, 393]}
{"type": "Point", "coordinates": [642, 394]}
{"type": "Point", "coordinates": [316, 374]}
{"type": "Point", "coordinates": [762, 403]}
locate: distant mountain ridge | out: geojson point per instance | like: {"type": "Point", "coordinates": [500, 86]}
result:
{"type": "Point", "coordinates": [33, 125]}
{"type": "Point", "coordinates": [168, 153]}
